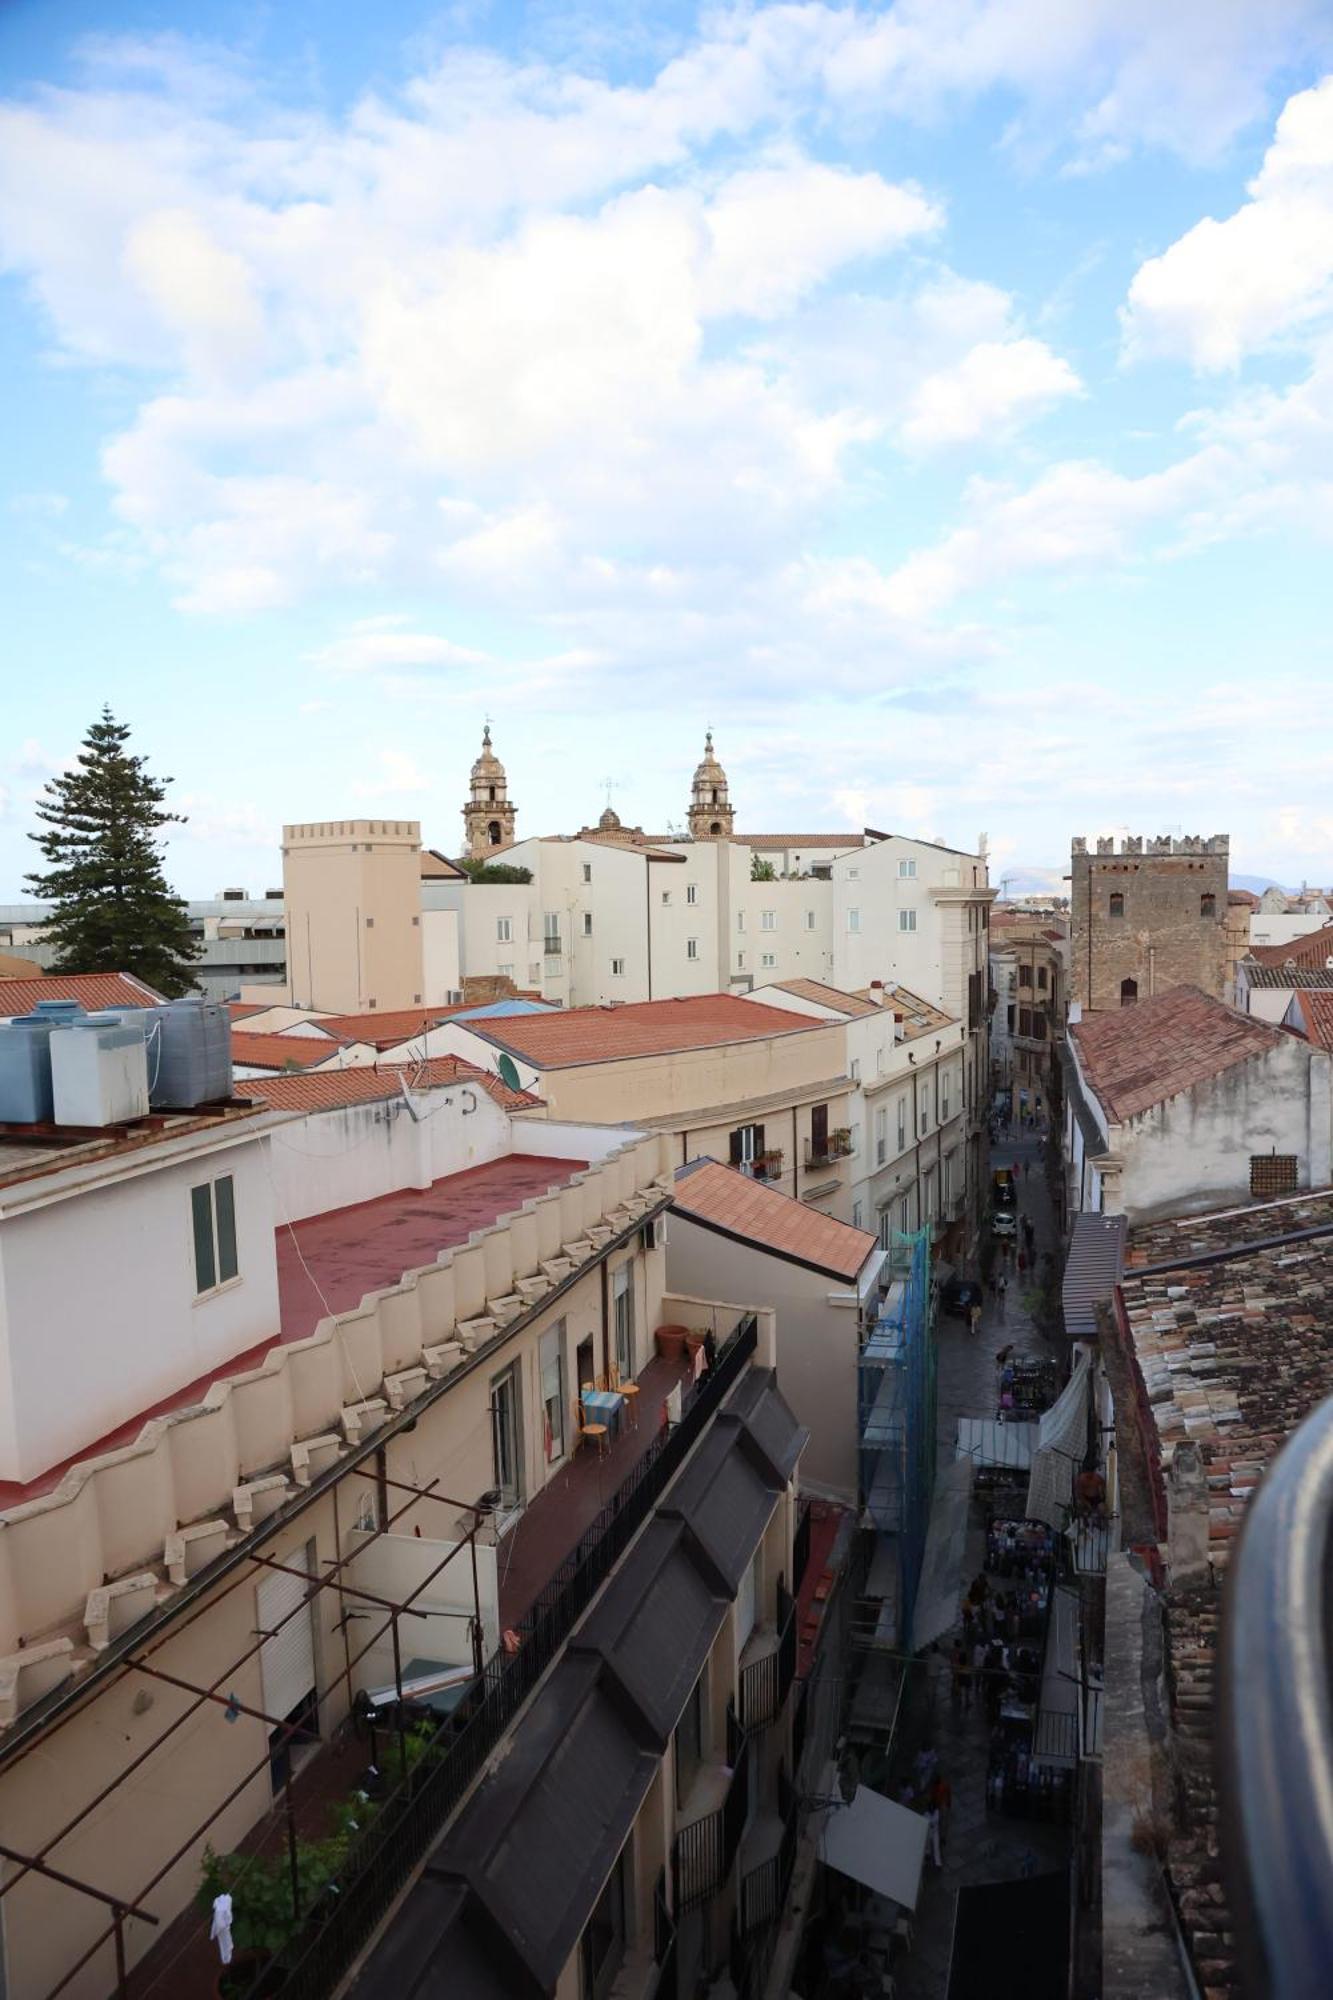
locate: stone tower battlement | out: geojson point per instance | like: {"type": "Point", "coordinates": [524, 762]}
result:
{"type": "Point", "coordinates": [1147, 913]}
{"type": "Point", "coordinates": [1165, 843]}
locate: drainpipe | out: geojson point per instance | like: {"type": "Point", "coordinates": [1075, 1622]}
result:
{"type": "Point", "coordinates": [606, 1319]}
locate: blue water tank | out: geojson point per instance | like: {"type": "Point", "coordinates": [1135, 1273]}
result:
{"type": "Point", "coordinates": [25, 1071]}
{"type": "Point", "coordinates": [189, 1052]}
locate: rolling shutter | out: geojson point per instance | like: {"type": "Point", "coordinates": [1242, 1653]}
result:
{"type": "Point", "coordinates": [287, 1660]}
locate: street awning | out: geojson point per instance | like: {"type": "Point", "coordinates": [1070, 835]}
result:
{"type": "Point", "coordinates": [1056, 1740]}
{"type": "Point", "coordinates": [941, 1583]}
{"type": "Point", "coordinates": [1062, 1445]}
{"type": "Point", "coordinates": [988, 1442]}
{"type": "Point", "coordinates": [878, 1843]}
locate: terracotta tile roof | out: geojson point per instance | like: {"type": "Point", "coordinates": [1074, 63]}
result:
{"type": "Point", "coordinates": [438, 867]}
{"type": "Point", "coordinates": [721, 1198]}
{"type": "Point", "coordinates": [92, 990]}
{"type": "Point", "coordinates": [1230, 1356]}
{"type": "Point", "coordinates": [260, 1051]}
{"type": "Point", "coordinates": [329, 1089]}
{"type": "Point", "coordinates": [577, 1035]}
{"type": "Point", "coordinates": [1135, 1057]}
{"type": "Point", "coordinates": [850, 1004]}
{"type": "Point", "coordinates": [1316, 1014]}
{"type": "Point", "coordinates": [782, 840]}
{"type": "Point", "coordinates": [241, 1010]}
{"type": "Point", "coordinates": [1245, 896]}
{"type": "Point", "coordinates": [1291, 977]}
{"type": "Point", "coordinates": [386, 1028]}
{"type": "Point", "coordinates": [1312, 949]}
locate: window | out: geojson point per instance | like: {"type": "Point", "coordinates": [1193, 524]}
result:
{"type": "Point", "coordinates": [768, 960]}
{"type": "Point", "coordinates": [370, 923]}
{"type": "Point", "coordinates": [881, 1136]}
{"type": "Point", "coordinates": [1208, 906]}
{"type": "Point", "coordinates": [809, 920]}
{"type": "Point", "coordinates": [768, 920]}
{"type": "Point", "coordinates": [902, 1123]}
{"type": "Point", "coordinates": [904, 1214]}
{"type": "Point", "coordinates": [1129, 992]}
{"type": "Point", "coordinates": [1042, 979]}
{"type": "Point", "coordinates": [504, 930]}
{"type": "Point", "coordinates": [740, 920]}
{"type": "Point", "coordinates": [746, 1144]}
{"type": "Point", "coordinates": [587, 871]}
{"type": "Point", "coordinates": [854, 1069]}
{"type": "Point", "coordinates": [587, 923]}
{"type": "Point", "coordinates": [853, 874]}
{"type": "Point", "coordinates": [213, 1214]}
{"type": "Point", "coordinates": [1116, 905]}
{"type": "Point", "coordinates": [691, 947]}
{"type": "Point", "coordinates": [617, 968]}
{"type": "Point", "coordinates": [690, 1741]}
{"type": "Point", "coordinates": [1273, 1173]}
{"type": "Point", "coordinates": [622, 1289]}
{"type": "Point", "coordinates": [1009, 1013]}
{"type": "Point", "coordinates": [856, 1215]}
{"type": "Point", "coordinates": [691, 892]}
{"type": "Point", "coordinates": [928, 1197]}
{"type": "Point", "coordinates": [853, 923]}
{"type": "Point", "coordinates": [602, 1946]}
{"type": "Point", "coordinates": [907, 920]}
{"type": "Point", "coordinates": [551, 932]}
{"type": "Point", "coordinates": [551, 1353]}
{"type": "Point", "coordinates": [740, 960]}
{"type": "Point", "coordinates": [944, 1099]}
{"type": "Point", "coordinates": [907, 870]}
{"type": "Point", "coordinates": [506, 971]}
{"type": "Point", "coordinates": [505, 1436]}
{"type": "Point", "coordinates": [666, 899]}
{"type": "Point", "coordinates": [854, 1139]}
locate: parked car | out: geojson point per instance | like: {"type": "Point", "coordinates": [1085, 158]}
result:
{"type": "Point", "coordinates": [958, 1296]}
{"type": "Point", "coordinates": [1003, 1223]}
{"type": "Point", "coordinates": [1002, 1182]}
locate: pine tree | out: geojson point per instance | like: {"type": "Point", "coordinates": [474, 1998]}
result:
{"type": "Point", "coordinates": [113, 910]}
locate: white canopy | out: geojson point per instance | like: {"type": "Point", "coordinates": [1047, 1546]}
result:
{"type": "Point", "coordinates": [941, 1584]}
{"type": "Point", "coordinates": [1062, 1443]}
{"type": "Point", "coordinates": [987, 1442]}
{"type": "Point", "coordinates": [877, 1842]}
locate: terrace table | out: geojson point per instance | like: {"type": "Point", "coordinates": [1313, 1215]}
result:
{"type": "Point", "coordinates": [604, 1406]}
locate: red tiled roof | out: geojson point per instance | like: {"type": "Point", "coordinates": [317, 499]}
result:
{"type": "Point", "coordinates": [1139, 1056]}
{"type": "Point", "coordinates": [575, 1035]}
{"type": "Point", "coordinates": [330, 1089]}
{"type": "Point", "coordinates": [721, 1198]}
{"type": "Point", "coordinates": [241, 1010]}
{"type": "Point", "coordinates": [260, 1051]}
{"type": "Point", "coordinates": [92, 990]}
{"type": "Point", "coordinates": [1245, 896]}
{"type": "Point", "coordinates": [398, 1025]}
{"type": "Point", "coordinates": [781, 840]}
{"type": "Point", "coordinates": [1315, 1007]}
{"type": "Point", "coordinates": [831, 997]}
{"type": "Point", "coordinates": [1312, 949]}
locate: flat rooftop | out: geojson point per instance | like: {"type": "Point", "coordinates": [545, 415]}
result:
{"type": "Point", "coordinates": [28, 1151]}
{"type": "Point", "coordinates": [329, 1262]}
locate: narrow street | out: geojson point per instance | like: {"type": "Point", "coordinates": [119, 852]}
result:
{"type": "Point", "coordinates": [979, 1846]}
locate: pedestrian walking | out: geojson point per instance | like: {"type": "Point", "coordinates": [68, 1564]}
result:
{"type": "Point", "coordinates": [933, 1835]}
{"type": "Point", "coordinates": [1002, 1293]}
{"type": "Point", "coordinates": [974, 1318]}
{"type": "Point", "coordinates": [942, 1800]}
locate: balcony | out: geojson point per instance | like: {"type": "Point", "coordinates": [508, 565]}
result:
{"type": "Point", "coordinates": [413, 1814]}
{"type": "Point", "coordinates": [553, 947]}
{"type": "Point", "coordinates": [767, 1675]}
{"type": "Point", "coordinates": [834, 1146]}
{"type": "Point", "coordinates": [705, 1849]}
{"type": "Point", "coordinates": [764, 1166]}
{"type": "Point", "coordinates": [1275, 1739]}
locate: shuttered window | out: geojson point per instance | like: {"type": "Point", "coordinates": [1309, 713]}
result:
{"type": "Point", "coordinates": [213, 1221]}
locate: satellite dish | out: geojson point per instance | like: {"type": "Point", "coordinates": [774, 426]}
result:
{"type": "Point", "coordinates": [508, 1073]}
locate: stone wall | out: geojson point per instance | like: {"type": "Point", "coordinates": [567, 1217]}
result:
{"type": "Point", "coordinates": [1162, 932]}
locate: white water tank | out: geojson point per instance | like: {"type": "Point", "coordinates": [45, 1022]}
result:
{"type": "Point", "coordinates": [99, 1073]}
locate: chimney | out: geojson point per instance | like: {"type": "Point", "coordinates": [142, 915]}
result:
{"type": "Point", "coordinates": [877, 992]}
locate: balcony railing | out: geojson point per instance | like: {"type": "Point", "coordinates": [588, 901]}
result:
{"type": "Point", "coordinates": [823, 1152]}
{"type": "Point", "coordinates": [664, 1944]}
{"type": "Point", "coordinates": [766, 1681]}
{"type": "Point", "coordinates": [764, 1166]}
{"type": "Point", "coordinates": [553, 946]}
{"type": "Point", "coordinates": [762, 1899]}
{"type": "Point", "coordinates": [704, 1851]}
{"type": "Point", "coordinates": [412, 1815]}
{"type": "Point", "coordinates": [1275, 1738]}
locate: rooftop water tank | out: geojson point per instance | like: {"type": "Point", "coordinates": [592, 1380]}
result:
{"type": "Point", "coordinates": [25, 1072]}
{"type": "Point", "coordinates": [99, 1073]}
{"type": "Point", "coordinates": [189, 1053]}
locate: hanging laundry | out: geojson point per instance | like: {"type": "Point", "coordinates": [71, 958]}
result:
{"type": "Point", "coordinates": [221, 1930]}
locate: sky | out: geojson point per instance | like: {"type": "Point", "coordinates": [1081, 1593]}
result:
{"type": "Point", "coordinates": [935, 400]}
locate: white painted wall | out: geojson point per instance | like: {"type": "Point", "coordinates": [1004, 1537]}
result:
{"type": "Point", "coordinates": [440, 956]}
{"type": "Point", "coordinates": [1277, 927]}
{"type": "Point", "coordinates": [332, 1159]}
{"type": "Point", "coordinates": [98, 1313]}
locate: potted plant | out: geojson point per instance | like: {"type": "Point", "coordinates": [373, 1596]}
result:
{"type": "Point", "coordinates": [671, 1341]}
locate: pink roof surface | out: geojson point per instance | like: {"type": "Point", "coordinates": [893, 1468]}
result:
{"type": "Point", "coordinates": [571, 1036]}
{"type": "Point", "coordinates": [93, 991]}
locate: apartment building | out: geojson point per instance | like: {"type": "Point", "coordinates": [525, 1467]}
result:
{"type": "Point", "coordinates": [764, 1089]}
{"type": "Point", "coordinates": [1029, 978]}
{"type": "Point", "coordinates": [907, 1140]}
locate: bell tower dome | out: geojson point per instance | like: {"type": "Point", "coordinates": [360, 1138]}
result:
{"type": "Point", "coordinates": [489, 815]}
{"type": "Point", "coordinates": [711, 811]}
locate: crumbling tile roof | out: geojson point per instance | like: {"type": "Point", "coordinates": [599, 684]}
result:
{"type": "Point", "coordinates": [331, 1089]}
{"type": "Point", "coordinates": [1316, 1016]}
{"type": "Point", "coordinates": [1232, 1355]}
{"type": "Point", "coordinates": [777, 841]}
{"type": "Point", "coordinates": [1275, 977]}
{"type": "Point", "coordinates": [257, 1050]}
{"type": "Point", "coordinates": [94, 991]}
{"type": "Point", "coordinates": [832, 997]}
{"type": "Point", "coordinates": [1135, 1057]}
{"type": "Point", "coordinates": [1313, 949]}
{"type": "Point", "coordinates": [577, 1035]}
{"type": "Point", "coordinates": [724, 1199]}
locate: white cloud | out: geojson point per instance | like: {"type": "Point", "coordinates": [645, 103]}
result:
{"type": "Point", "coordinates": [1226, 289]}
{"type": "Point", "coordinates": [201, 292]}
{"type": "Point", "coordinates": [996, 385]}
{"type": "Point", "coordinates": [398, 775]}
{"type": "Point", "coordinates": [379, 645]}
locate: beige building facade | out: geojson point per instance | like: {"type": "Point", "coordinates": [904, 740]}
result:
{"type": "Point", "coordinates": [353, 899]}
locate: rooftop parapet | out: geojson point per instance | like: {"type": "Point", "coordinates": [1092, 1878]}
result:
{"type": "Point", "coordinates": [1166, 843]}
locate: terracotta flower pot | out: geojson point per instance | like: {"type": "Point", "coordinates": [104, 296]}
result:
{"type": "Point", "coordinates": [694, 1339]}
{"type": "Point", "coordinates": [671, 1342]}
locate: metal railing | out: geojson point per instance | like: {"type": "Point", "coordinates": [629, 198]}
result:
{"type": "Point", "coordinates": [766, 1681]}
{"type": "Point", "coordinates": [764, 1166]}
{"type": "Point", "coordinates": [800, 1549]}
{"type": "Point", "coordinates": [703, 1852]}
{"type": "Point", "coordinates": [761, 1902]}
{"type": "Point", "coordinates": [413, 1814]}
{"type": "Point", "coordinates": [1275, 1717]}
{"type": "Point", "coordinates": [665, 1949]}
{"type": "Point", "coordinates": [835, 1146]}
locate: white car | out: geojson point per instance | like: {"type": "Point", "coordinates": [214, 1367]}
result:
{"type": "Point", "coordinates": [1003, 1223]}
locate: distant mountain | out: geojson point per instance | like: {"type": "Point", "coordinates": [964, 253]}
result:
{"type": "Point", "coordinates": [1019, 879]}
{"type": "Point", "coordinates": [1256, 884]}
